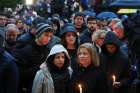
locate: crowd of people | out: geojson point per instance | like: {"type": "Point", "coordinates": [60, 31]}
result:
{"type": "Point", "coordinates": [73, 54]}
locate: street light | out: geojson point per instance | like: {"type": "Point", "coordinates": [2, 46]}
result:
{"type": "Point", "coordinates": [29, 2]}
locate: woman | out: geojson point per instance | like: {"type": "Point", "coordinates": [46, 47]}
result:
{"type": "Point", "coordinates": [56, 72]}
{"type": "Point", "coordinates": [88, 76]}
{"type": "Point", "coordinates": [69, 39]}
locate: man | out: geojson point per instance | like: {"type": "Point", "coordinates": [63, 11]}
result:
{"type": "Point", "coordinates": [8, 71]}
{"type": "Point", "coordinates": [11, 33]}
{"type": "Point", "coordinates": [79, 22]}
{"type": "Point", "coordinates": [86, 36]}
{"type": "Point", "coordinates": [31, 56]}
{"type": "Point", "coordinates": [3, 20]}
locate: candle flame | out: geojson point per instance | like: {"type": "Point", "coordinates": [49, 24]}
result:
{"type": "Point", "coordinates": [80, 86]}
{"type": "Point", "coordinates": [114, 78]}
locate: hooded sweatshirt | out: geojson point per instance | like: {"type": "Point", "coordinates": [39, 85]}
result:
{"type": "Point", "coordinates": [47, 79]}
{"type": "Point", "coordinates": [115, 64]}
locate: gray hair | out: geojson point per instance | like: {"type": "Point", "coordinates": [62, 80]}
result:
{"type": "Point", "coordinates": [11, 26]}
{"type": "Point", "coordinates": [119, 25]}
{"type": "Point", "coordinates": [98, 34]}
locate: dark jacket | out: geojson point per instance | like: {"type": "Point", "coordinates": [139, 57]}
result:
{"type": "Point", "coordinates": [92, 80]}
{"type": "Point", "coordinates": [8, 73]}
{"type": "Point", "coordinates": [9, 46]}
{"type": "Point", "coordinates": [29, 58]}
{"type": "Point", "coordinates": [115, 64]}
{"type": "Point", "coordinates": [72, 52]}
{"type": "Point", "coordinates": [86, 37]}
{"type": "Point", "coordinates": [28, 38]}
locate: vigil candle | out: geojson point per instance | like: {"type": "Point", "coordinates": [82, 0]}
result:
{"type": "Point", "coordinates": [80, 88]}
{"type": "Point", "coordinates": [114, 78]}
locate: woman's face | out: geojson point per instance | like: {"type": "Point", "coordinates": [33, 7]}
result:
{"type": "Point", "coordinates": [70, 38]}
{"type": "Point", "coordinates": [84, 57]}
{"type": "Point", "coordinates": [59, 60]}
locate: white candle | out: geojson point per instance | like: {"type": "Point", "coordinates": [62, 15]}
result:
{"type": "Point", "coordinates": [80, 88]}
{"type": "Point", "coordinates": [114, 78]}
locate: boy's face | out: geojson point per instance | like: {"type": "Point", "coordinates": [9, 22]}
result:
{"type": "Point", "coordinates": [45, 38]}
{"type": "Point", "coordinates": [79, 20]}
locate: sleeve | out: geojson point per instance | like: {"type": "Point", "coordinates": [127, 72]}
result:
{"type": "Point", "coordinates": [38, 83]}
{"type": "Point", "coordinates": [102, 85]}
{"type": "Point", "coordinates": [12, 76]}
{"type": "Point", "coordinates": [126, 75]}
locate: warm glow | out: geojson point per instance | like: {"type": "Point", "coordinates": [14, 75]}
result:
{"type": "Point", "coordinates": [121, 11]}
{"type": "Point", "coordinates": [29, 2]}
{"type": "Point", "coordinates": [114, 78]}
{"type": "Point", "coordinates": [80, 88]}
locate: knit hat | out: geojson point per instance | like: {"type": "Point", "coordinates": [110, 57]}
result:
{"type": "Point", "coordinates": [43, 27]}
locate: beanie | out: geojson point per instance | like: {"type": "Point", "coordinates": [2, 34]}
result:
{"type": "Point", "coordinates": [43, 27]}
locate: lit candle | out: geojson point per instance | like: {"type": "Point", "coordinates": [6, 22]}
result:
{"type": "Point", "coordinates": [114, 78]}
{"type": "Point", "coordinates": [80, 88]}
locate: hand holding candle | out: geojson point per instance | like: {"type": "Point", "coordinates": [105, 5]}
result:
{"type": "Point", "coordinates": [114, 78]}
{"type": "Point", "coordinates": [115, 84]}
{"type": "Point", "coordinates": [80, 88]}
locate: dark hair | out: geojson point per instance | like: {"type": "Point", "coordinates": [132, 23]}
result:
{"type": "Point", "coordinates": [91, 18]}
{"type": "Point", "coordinates": [51, 65]}
{"type": "Point", "coordinates": [63, 40]}
{"type": "Point", "coordinates": [79, 14]}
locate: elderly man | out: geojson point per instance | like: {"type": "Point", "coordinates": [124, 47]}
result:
{"type": "Point", "coordinates": [11, 33]}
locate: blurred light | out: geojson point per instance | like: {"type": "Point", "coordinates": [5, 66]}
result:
{"type": "Point", "coordinates": [29, 2]}
{"type": "Point", "coordinates": [127, 11]}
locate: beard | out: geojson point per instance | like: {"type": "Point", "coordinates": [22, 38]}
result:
{"type": "Point", "coordinates": [92, 29]}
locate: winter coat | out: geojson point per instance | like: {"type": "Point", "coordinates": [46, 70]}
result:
{"type": "Point", "coordinates": [72, 52]}
{"type": "Point", "coordinates": [86, 37]}
{"type": "Point", "coordinates": [2, 31]}
{"type": "Point", "coordinates": [92, 80]}
{"type": "Point", "coordinates": [44, 81]}
{"type": "Point", "coordinates": [28, 38]}
{"type": "Point", "coordinates": [29, 58]}
{"type": "Point", "coordinates": [115, 64]}
{"type": "Point", "coordinates": [9, 47]}
{"type": "Point", "coordinates": [8, 73]}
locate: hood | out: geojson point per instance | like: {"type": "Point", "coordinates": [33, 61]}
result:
{"type": "Point", "coordinates": [111, 38]}
{"type": "Point", "coordinates": [58, 48]}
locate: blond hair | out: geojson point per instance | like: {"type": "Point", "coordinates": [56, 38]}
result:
{"type": "Point", "coordinates": [93, 52]}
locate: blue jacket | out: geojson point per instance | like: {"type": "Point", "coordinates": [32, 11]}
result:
{"type": "Point", "coordinates": [8, 73]}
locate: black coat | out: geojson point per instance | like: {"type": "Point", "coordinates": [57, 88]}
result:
{"type": "Point", "coordinates": [86, 37]}
{"type": "Point", "coordinates": [115, 64]}
{"type": "Point", "coordinates": [92, 79]}
{"type": "Point", "coordinates": [8, 73]}
{"type": "Point", "coordinates": [29, 58]}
